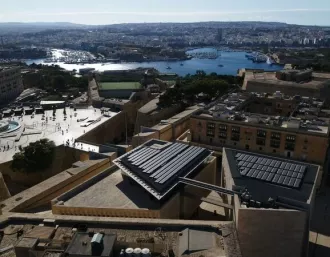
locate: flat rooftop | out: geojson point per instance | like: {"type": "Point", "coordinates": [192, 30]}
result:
{"type": "Point", "coordinates": [119, 85]}
{"type": "Point", "coordinates": [157, 165]}
{"type": "Point", "coordinates": [177, 118]}
{"type": "Point", "coordinates": [266, 176]}
{"type": "Point", "coordinates": [270, 78]}
{"type": "Point", "coordinates": [158, 237]}
{"type": "Point", "coordinates": [81, 245]}
{"type": "Point", "coordinates": [109, 190]}
{"type": "Point", "coordinates": [230, 108]}
{"type": "Point", "coordinates": [59, 130]}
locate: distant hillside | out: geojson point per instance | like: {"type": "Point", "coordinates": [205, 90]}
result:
{"type": "Point", "coordinates": [20, 27]}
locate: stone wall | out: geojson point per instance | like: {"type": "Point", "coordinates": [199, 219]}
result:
{"type": "Point", "coordinates": [108, 132]}
{"type": "Point", "coordinates": [4, 192]}
{"type": "Point", "coordinates": [271, 233]}
{"type": "Point", "coordinates": [49, 189]}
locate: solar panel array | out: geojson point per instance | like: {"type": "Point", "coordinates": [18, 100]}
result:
{"type": "Point", "coordinates": [286, 174]}
{"type": "Point", "coordinates": [159, 168]}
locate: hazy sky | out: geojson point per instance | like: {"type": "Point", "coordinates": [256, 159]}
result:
{"type": "Point", "coordinates": [311, 12]}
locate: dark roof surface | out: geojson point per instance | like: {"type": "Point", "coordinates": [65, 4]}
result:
{"type": "Point", "coordinates": [157, 165]}
{"type": "Point", "coordinates": [268, 176]}
{"type": "Point", "coordinates": [81, 245]}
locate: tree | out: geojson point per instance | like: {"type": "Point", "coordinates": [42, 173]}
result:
{"type": "Point", "coordinates": [58, 82]}
{"type": "Point", "coordinates": [37, 156]}
{"type": "Point", "coordinates": [188, 89]}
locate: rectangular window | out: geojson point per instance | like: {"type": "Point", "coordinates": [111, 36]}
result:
{"type": "Point", "coordinates": [289, 146]}
{"type": "Point", "coordinates": [290, 138]}
{"type": "Point", "coordinates": [222, 127]}
{"type": "Point", "coordinates": [261, 133]}
{"type": "Point", "coordinates": [210, 133]}
{"type": "Point", "coordinates": [235, 137]}
{"type": "Point", "coordinates": [222, 135]}
{"type": "Point", "coordinates": [276, 136]}
{"type": "Point", "coordinates": [275, 143]}
{"type": "Point", "coordinates": [211, 125]}
{"type": "Point", "coordinates": [235, 130]}
{"type": "Point", "coordinates": [261, 141]}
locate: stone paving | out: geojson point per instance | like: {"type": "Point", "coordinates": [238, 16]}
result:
{"type": "Point", "coordinates": [59, 129]}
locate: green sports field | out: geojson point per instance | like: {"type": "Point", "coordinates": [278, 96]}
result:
{"type": "Point", "coordinates": [119, 85]}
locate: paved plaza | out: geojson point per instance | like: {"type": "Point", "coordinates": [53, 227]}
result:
{"type": "Point", "coordinates": [57, 128]}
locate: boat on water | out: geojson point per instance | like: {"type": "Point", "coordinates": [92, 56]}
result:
{"type": "Point", "coordinates": [220, 65]}
{"type": "Point", "coordinates": [168, 68]}
{"type": "Point", "coordinates": [181, 64]}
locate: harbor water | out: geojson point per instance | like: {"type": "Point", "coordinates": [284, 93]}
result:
{"type": "Point", "coordinates": [224, 63]}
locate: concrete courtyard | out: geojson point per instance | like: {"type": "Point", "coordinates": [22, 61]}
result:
{"type": "Point", "coordinates": [56, 128]}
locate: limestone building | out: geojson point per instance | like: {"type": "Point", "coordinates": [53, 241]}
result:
{"type": "Point", "coordinates": [11, 84]}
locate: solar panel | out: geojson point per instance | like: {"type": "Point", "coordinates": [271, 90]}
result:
{"type": "Point", "coordinates": [268, 161]}
{"type": "Point", "coordinates": [297, 183]}
{"type": "Point", "coordinates": [145, 157]}
{"type": "Point", "coordinates": [265, 175]}
{"type": "Point", "coordinates": [269, 170]}
{"type": "Point", "coordinates": [261, 173]}
{"type": "Point", "coordinates": [276, 178]}
{"type": "Point", "coordinates": [286, 181]}
{"type": "Point", "coordinates": [151, 155]}
{"type": "Point", "coordinates": [154, 163]}
{"type": "Point", "coordinates": [241, 157]}
{"type": "Point", "coordinates": [270, 177]}
{"type": "Point", "coordinates": [158, 169]}
{"type": "Point", "coordinates": [250, 172]}
{"type": "Point", "coordinates": [245, 171]}
{"type": "Point", "coordinates": [168, 150]}
{"type": "Point", "coordinates": [245, 157]}
{"type": "Point", "coordinates": [255, 173]}
{"type": "Point", "coordinates": [291, 182]}
{"type": "Point", "coordinates": [132, 155]}
{"type": "Point", "coordinates": [302, 169]}
{"type": "Point", "coordinates": [159, 172]}
{"type": "Point", "coordinates": [182, 161]}
{"type": "Point", "coordinates": [254, 159]}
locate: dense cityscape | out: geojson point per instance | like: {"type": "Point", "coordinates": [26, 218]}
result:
{"type": "Point", "coordinates": [164, 139]}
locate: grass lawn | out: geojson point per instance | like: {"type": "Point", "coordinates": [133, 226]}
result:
{"type": "Point", "coordinates": [119, 85]}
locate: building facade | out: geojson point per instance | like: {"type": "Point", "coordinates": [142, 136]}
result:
{"type": "Point", "coordinates": [290, 143]}
{"type": "Point", "coordinates": [11, 84]}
